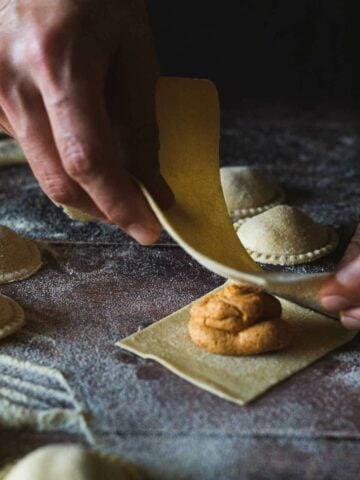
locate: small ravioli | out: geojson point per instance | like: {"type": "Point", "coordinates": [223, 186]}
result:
{"type": "Point", "coordinates": [11, 316]}
{"type": "Point", "coordinates": [285, 235]}
{"type": "Point", "coordinates": [19, 257]}
{"type": "Point", "coordinates": [247, 192]}
{"type": "Point", "coordinates": [71, 462]}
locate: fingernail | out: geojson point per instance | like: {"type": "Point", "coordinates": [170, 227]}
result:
{"type": "Point", "coordinates": [143, 235]}
{"type": "Point", "coordinates": [335, 302]}
{"type": "Point", "coordinates": [349, 274]}
{"type": "Point", "coordinates": [350, 322]}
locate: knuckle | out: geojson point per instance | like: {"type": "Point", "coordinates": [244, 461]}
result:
{"type": "Point", "coordinates": [78, 161]}
{"type": "Point", "coordinates": [50, 44]}
{"type": "Point", "coordinates": [42, 50]}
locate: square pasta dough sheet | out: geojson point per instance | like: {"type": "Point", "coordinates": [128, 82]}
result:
{"type": "Point", "coordinates": [238, 379]}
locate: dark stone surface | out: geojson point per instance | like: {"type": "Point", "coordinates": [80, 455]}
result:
{"type": "Point", "coordinates": [87, 297]}
{"type": "Point", "coordinates": [98, 286]}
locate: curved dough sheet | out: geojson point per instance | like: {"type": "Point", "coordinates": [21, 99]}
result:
{"type": "Point", "coordinates": [59, 462]}
{"type": "Point", "coordinates": [11, 153]}
{"type": "Point", "coordinates": [247, 192]}
{"type": "Point", "coordinates": [19, 257]}
{"type": "Point", "coordinates": [285, 235]}
{"type": "Point", "coordinates": [189, 125]}
{"type": "Point", "coordinates": [11, 316]}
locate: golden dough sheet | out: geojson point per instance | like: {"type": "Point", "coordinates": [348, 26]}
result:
{"type": "Point", "coordinates": [238, 379]}
{"type": "Point", "coordinates": [188, 117]}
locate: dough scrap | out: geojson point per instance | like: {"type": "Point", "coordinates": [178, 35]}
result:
{"type": "Point", "coordinates": [238, 379]}
{"type": "Point", "coordinates": [37, 397]}
{"type": "Point", "coordinates": [11, 153]}
{"type": "Point", "coordinates": [285, 235]}
{"type": "Point", "coordinates": [247, 192]}
{"type": "Point", "coordinates": [75, 213]}
{"type": "Point", "coordinates": [12, 316]}
{"type": "Point", "coordinates": [19, 257]}
{"type": "Point", "coordinates": [71, 462]}
{"type": "Point", "coordinates": [238, 320]}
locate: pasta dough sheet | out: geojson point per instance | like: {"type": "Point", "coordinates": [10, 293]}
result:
{"type": "Point", "coordinates": [189, 126]}
{"type": "Point", "coordinates": [188, 116]}
{"type": "Point", "coordinates": [238, 379]}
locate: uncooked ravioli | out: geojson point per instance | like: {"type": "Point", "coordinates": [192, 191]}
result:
{"type": "Point", "coordinates": [285, 235]}
{"type": "Point", "coordinates": [19, 257]}
{"type": "Point", "coordinates": [11, 316]}
{"type": "Point", "coordinates": [247, 192]}
{"type": "Point", "coordinates": [71, 462]}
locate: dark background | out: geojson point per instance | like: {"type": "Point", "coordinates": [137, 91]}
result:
{"type": "Point", "coordinates": [302, 51]}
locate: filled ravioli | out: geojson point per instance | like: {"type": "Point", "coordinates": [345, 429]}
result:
{"type": "Point", "coordinates": [71, 462]}
{"type": "Point", "coordinates": [19, 256]}
{"type": "Point", "coordinates": [285, 235]}
{"type": "Point", "coordinates": [247, 192]}
{"type": "Point", "coordinates": [11, 316]}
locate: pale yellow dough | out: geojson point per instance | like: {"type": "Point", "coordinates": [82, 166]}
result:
{"type": "Point", "coordinates": [188, 117]}
{"type": "Point", "coordinates": [189, 126]}
{"type": "Point", "coordinates": [247, 192]}
{"type": "Point", "coordinates": [75, 214]}
{"type": "Point", "coordinates": [70, 462]}
{"type": "Point", "coordinates": [238, 379]}
{"type": "Point", "coordinates": [5, 470]}
{"type": "Point", "coordinates": [19, 257]}
{"type": "Point", "coordinates": [285, 235]}
{"type": "Point", "coordinates": [11, 316]}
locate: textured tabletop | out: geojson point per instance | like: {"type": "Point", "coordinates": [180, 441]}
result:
{"type": "Point", "coordinates": [98, 286]}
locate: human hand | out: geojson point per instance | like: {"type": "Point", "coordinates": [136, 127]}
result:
{"type": "Point", "coordinates": [77, 91]}
{"type": "Point", "coordinates": [342, 292]}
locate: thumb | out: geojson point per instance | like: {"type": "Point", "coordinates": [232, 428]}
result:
{"type": "Point", "coordinates": [342, 291]}
{"type": "Point", "coordinates": [352, 251]}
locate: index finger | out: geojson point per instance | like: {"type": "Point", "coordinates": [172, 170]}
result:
{"type": "Point", "coordinates": [83, 136]}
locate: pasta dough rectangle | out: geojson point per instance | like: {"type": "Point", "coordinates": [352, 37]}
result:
{"type": "Point", "coordinates": [238, 379]}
